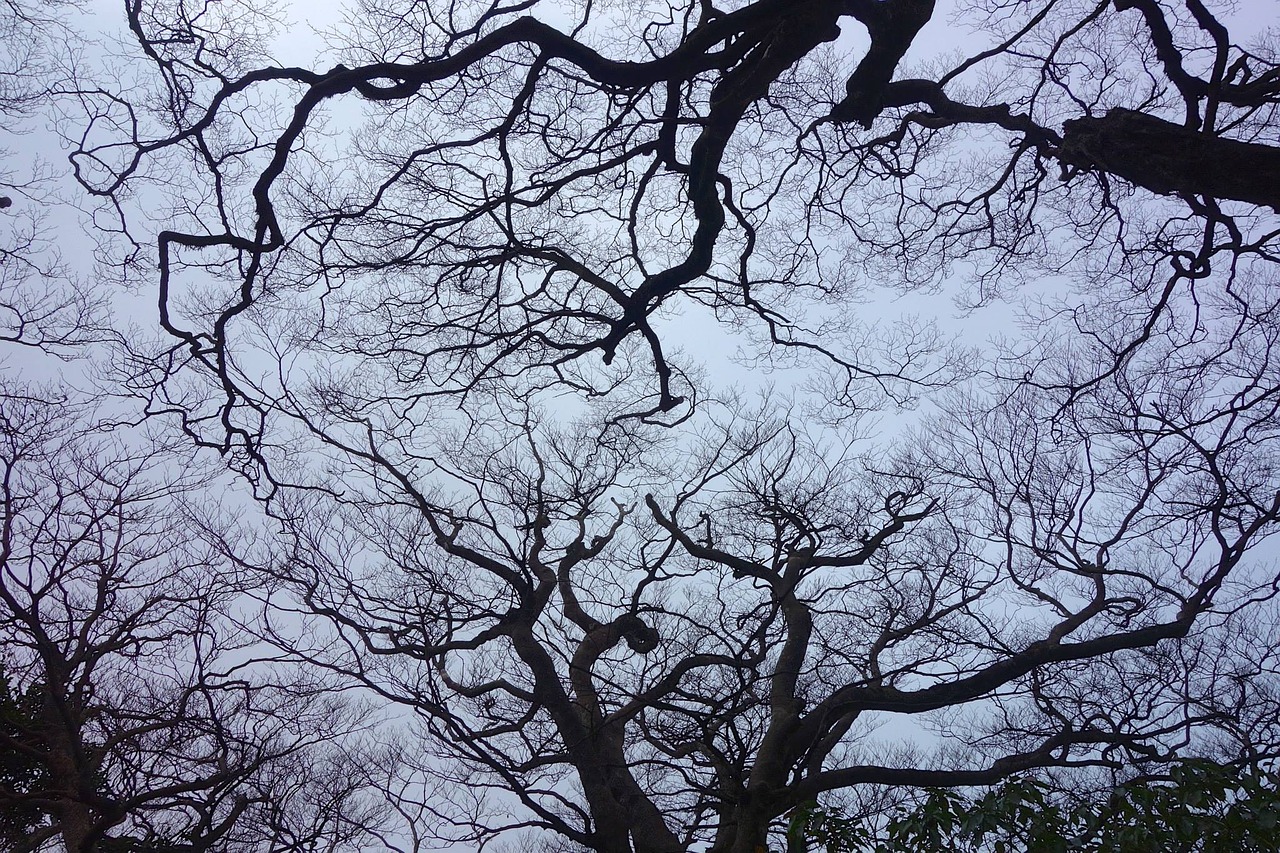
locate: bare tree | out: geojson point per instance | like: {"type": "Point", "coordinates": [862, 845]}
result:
{"type": "Point", "coordinates": [663, 648]}
{"type": "Point", "coordinates": [527, 201]}
{"type": "Point", "coordinates": [43, 304]}
{"type": "Point", "coordinates": [135, 714]}
{"type": "Point", "coordinates": [661, 627]}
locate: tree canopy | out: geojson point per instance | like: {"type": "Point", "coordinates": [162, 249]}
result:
{"type": "Point", "coordinates": [988, 492]}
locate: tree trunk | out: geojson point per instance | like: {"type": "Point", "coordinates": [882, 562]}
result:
{"type": "Point", "coordinates": [1167, 158]}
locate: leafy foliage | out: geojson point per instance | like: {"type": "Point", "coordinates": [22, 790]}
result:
{"type": "Point", "coordinates": [1199, 806]}
{"type": "Point", "coordinates": [21, 769]}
